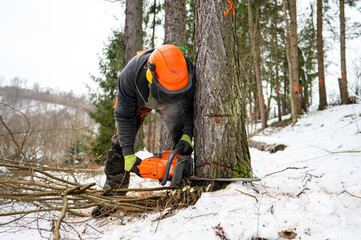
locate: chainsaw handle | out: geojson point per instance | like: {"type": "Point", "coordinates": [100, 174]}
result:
{"type": "Point", "coordinates": [169, 163]}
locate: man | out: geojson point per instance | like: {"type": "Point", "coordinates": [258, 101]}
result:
{"type": "Point", "coordinates": [161, 79]}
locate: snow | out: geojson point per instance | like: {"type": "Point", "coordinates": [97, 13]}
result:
{"type": "Point", "coordinates": [309, 196]}
{"type": "Point", "coordinates": [307, 186]}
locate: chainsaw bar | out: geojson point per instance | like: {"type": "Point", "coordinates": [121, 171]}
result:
{"type": "Point", "coordinates": [224, 179]}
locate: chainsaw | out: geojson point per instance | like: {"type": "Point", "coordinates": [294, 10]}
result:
{"type": "Point", "coordinates": [171, 166]}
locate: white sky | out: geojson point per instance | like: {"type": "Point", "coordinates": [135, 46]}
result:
{"type": "Point", "coordinates": [53, 42]}
{"type": "Point", "coordinates": [57, 42]}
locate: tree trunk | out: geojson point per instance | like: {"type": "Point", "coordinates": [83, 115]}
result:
{"type": "Point", "coordinates": [254, 48]}
{"type": "Point", "coordinates": [295, 80]}
{"type": "Point", "coordinates": [220, 136]}
{"type": "Point", "coordinates": [133, 43]}
{"type": "Point", "coordinates": [321, 71]}
{"type": "Point", "coordinates": [288, 55]}
{"type": "Point", "coordinates": [174, 33]}
{"type": "Point", "coordinates": [133, 29]}
{"type": "Point", "coordinates": [175, 23]}
{"type": "Point", "coordinates": [343, 80]}
{"type": "Point", "coordinates": [277, 64]}
{"type": "Point", "coordinates": [150, 117]}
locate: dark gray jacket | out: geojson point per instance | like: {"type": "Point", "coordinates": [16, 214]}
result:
{"type": "Point", "coordinates": [132, 95]}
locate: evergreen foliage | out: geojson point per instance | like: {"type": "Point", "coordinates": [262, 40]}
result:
{"type": "Point", "coordinates": [110, 66]}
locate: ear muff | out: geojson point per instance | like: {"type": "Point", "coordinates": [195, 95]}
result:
{"type": "Point", "coordinates": [149, 76]}
{"type": "Point", "coordinates": [150, 72]}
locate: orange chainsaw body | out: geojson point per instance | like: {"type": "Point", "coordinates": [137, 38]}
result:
{"type": "Point", "coordinates": [154, 167]}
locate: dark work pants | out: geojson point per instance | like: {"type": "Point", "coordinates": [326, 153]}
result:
{"type": "Point", "coordinates": [173, 116]}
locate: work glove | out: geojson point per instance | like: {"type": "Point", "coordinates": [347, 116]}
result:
{"type": "Point", "coordinates": [131, 162]}
{"type": "Point", "coordinates": [185, 143]}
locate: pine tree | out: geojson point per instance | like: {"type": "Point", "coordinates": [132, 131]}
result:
{"type": "Point", "coordinates": [103, 98]}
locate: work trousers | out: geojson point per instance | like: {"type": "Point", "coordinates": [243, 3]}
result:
{"type": "Point", "coordinates": [117, 177]}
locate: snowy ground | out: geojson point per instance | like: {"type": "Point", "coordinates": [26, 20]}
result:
{"type": "Point", "coordinates": [307, 187]}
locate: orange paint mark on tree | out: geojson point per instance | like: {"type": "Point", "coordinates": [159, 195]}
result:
{"type": "Point", "coordinates": [230, 7]}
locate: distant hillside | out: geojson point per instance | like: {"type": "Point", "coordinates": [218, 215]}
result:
{"type": "Point", "coordinates": [19, 97]}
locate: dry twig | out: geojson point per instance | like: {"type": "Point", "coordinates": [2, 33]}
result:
{"type": "Point", "coordinates": [351, 194]}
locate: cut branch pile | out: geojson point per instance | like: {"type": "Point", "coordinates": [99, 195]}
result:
{"type": "Point", "coordinates": [50, 192]}
{"type": "Point", "coordinates": [47, 191]}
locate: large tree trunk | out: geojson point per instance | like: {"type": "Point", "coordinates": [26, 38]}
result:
{"type": "Point", "coordinates": [174, 33]}
{"type": "Point", "coordinates": [277, 63]}
{"type": "Point", "coordinates": [221, 147]}
{"type": "Point", "coordinates": [321, 71]}
{"type": "Point", "coordinates": [254, 47]}
{"type": "Point", "coordinates": [295, 81]}
{"type": "Point", "coordinates": [133, 29]}
{"type": "Point", "coordinates": [133, 43]}
{"type": "Point", "coordinates": [343, 80]}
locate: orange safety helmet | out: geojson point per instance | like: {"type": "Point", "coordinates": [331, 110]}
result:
{"type": "Point", "coordinates": [168, 67]}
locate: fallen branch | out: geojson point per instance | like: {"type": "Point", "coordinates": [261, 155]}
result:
{"type": "Point", "coordinates": [336, 152]}
{"type": "Point", "coordinates": [62, 214]}
{"type": "Point", "coordinates": [351, 194]}
{"type": "Point", "coordinates": [288, 168]}
{"type": "Point", "coordinates": [247, 194]}
{"type": "Point", "coordinates": [56, 169]}
{"type": "Point", "coordinates": [203, 215]}
{"type": "Point", "coordinates": [272, 148]}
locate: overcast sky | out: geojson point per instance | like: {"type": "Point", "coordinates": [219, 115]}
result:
{"type": "Point", "coordinates": [55, 42]}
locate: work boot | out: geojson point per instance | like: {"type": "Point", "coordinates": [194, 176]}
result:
{"type": "Point", "coordinates": [113, 182]}
{"type": "Point", "coordinates": [100, 211]}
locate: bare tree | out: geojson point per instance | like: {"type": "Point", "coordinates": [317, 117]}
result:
{"type": "Point", "coordinates": [295, 80]}
{"type": "Point", "coordinates": [343, 80]}
{"type": "Point", "coordinates": [254, 50]}
{"type": "Point", "coordinates": [320, 58]}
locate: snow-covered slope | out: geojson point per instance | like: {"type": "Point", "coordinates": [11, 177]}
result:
{"type": "Point", "coordinates": [312, 187]}
{"type": "Point", "coordinates": [322, 161]}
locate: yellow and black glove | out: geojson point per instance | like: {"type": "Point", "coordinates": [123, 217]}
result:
{"type": "Point", "coordinates": [186, 145]}
{"type": "Point", "coordinates": [131, 162]}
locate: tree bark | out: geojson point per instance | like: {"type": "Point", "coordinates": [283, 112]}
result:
{"type": "Point", "coordinates": [174, 33]}
{"type": "Point", "coordinates": [295, 85]}
{"type": "Point", "coordinates": [288, 56]}
{"type": "Point", "coordinates": [320, 58]}
{"type": "Point", "coordinates": [175, 23]}
{"type": "Point", "coordinates": [343, 80]}
{"type": "Point", "coordinates": [132, 43]}
{"type": "Point", "coordinates": [254, 48]}
{"type": "Point", "coordinates": [150, 117]}
{"type": "Point", "coordinates": [221, 147]}
{"type": "Point", "coordinates": [277, 63]}
{"type": "Point", "coordinates": [133, 29]}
